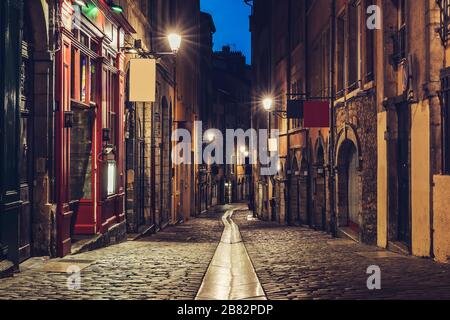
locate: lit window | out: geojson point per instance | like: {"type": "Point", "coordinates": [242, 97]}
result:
{"type": "Point", "coordinates": [111, 184]}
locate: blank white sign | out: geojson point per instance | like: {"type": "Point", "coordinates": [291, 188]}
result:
{"type": "Point", "coordinates": [142, 80]}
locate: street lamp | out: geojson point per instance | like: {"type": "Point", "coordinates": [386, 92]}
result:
{"type": "Point", "coordinates": [174, 42]}
{"type": "Point", "coordinates": [268, 103]}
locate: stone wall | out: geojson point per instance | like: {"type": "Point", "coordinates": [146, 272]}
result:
{"type": "Point", "coordinates": [361, 114]}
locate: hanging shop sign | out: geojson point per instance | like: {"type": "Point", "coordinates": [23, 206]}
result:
{"type": "Point", "coordinates": [142, 80]}
{"type": "Point", "coordinates": [316, 114]}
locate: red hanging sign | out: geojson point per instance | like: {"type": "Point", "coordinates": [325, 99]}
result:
{"type": "Point", "coordinates": [316, 114]}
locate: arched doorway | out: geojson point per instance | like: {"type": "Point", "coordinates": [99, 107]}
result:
{"type": "Point", "coordinates": [294, 215]}
{"type": "Point", "coordinates": [33, 124]}
{"type": "Point", "coordinates": [319, 216]}
{"type": "Point", "coordinates": [349, 197]}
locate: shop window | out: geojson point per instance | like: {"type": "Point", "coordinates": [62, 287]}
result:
{"type": "Point", "coordinates": [83, 78]}
{"type": "Point", "coordinates": [93, 81]}
{"type": "Point", "coordinates": [73, 73]}
{"type": "Point", "coordinates": [84, 39]}
{"type": "Point", "coordinates": [83, 89]}
{"type": "Point", "coordinates": [111, 179]}
{"type": "Point", "coordinates": [81, 153]}
{"type": "Point", "coordinates": [109, 105]}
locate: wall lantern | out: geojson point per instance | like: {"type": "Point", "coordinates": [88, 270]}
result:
{"type": "Point", "coordinates": [114, 7]}
{"type": "Point", "coordinates": [111, 180]}
{"type": "Point", "coordinates": [68, 119]}
{"type": "Point", "coordinates": [268, 103]}
{"type": "Point", "coordinates": [174, 42]}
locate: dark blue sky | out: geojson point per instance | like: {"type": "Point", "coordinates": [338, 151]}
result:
{"type": "Point", "coordinates": [231, 20]}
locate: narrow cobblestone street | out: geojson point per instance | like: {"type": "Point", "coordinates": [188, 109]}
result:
{"type": "Point", "coordinates": [299, 263]}
{"type": "Point", "coordinates": [290, 262]}
{"type": "Point", "coordinates": [168, 265]}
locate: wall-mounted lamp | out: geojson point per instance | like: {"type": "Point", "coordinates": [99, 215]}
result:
{"type": "Point", "coordinates": [114, 7]}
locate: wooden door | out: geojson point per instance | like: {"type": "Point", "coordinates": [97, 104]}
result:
{"type": "Point", "coordinates": [25, 150]}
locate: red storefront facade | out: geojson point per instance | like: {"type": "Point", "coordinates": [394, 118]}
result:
{"type": "Point", "coordinates": [89, 138]}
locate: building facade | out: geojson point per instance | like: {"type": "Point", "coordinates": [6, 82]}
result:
{"type": "Point", "coordinates": [387, 78]}
{"type": "Point", "coordinates": [80, 162]}
{"type": "Point", "coordinates": [413, 128]}
{"type": "Point", "coordinates": [231, 111]}
{"type": "Point", "coordinates": [147, 125]}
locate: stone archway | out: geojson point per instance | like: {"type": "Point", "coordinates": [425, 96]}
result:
{"type": "Point", "coordinates": [348, 184]}
{"type": "Point", "coordinates": [35, 232]}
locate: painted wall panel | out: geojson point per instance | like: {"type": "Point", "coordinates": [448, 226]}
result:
{"type": "Point", "coordinates": [420, 179]}
{"type": "Point", "coordinates": [382, 182]}
{"type": "Point", "coordinates": [441, 218]}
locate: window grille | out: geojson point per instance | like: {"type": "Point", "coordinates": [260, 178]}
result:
{"type": "Point", "coordinates": [444, 27]}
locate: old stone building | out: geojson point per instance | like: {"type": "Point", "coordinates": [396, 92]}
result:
{"type": "Point", "coordinates": [413, 131]}
{"type": "Point", "coordinates": [231, 110]}
{"type": "Point", "coordinates": [207, 185]}
{"type": "Point", "coordinates": [390, 99]}
{"type": "Point", "coordinates": [159, 192]}
{"type": "Point", "coordinates": [148, 124]}
{"type": "Point", "coordinates": [81, 158]}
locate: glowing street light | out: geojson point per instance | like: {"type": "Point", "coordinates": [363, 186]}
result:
{"type": "Point", "coordinates": [268, 103]}
{"type": "Point", "coordinates": [174, 42]}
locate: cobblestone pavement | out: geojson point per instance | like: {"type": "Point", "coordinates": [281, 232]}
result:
{"type": "Point", "coordinates": [299, 263]}
{"type": "Point", "coordinates": [291, 263]}
{"type": "Point", "coordinates": [168, 265]}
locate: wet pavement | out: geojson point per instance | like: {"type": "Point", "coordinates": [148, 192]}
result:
{"type": "Point", "coordinates": [168, 265]}
{"type": "Point", "coordinates": [206, 258]}
{"type": "Point", "coordinates": [298, 263]}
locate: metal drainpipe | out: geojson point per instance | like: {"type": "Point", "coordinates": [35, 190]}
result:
{"type": "Point", "coordinates": [51, 161]}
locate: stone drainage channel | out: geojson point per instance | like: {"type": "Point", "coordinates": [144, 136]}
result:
{"type": "Point", "coordinates": [230, 275]}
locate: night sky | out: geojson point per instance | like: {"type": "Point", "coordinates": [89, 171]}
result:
{"type": "Point", "coordinates": [231, 20]}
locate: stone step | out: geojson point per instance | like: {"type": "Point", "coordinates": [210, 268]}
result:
{"type": "Point", "coordinates": [7, 268]}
